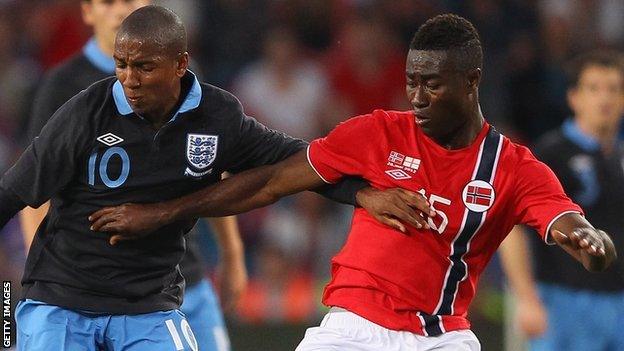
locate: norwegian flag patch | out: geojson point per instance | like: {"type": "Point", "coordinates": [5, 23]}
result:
{"type": "Point", "coordinates": [478, 196]}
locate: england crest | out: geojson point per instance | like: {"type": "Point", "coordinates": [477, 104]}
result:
{"type": "Point", "coordinates": [201, 150]}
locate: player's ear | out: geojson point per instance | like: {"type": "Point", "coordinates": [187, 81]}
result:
{"type": "Point", "coordinates": [473, 79]}
{"type": "Point", "coordinates": [182, 63]}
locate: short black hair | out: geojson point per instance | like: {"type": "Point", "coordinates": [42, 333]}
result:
{"type": "Point", "coordinates": [450, 32]}
{"type": "Point", "coordinates": [156, 24]}
{"type": "Point", "coordinates": [600, 58]}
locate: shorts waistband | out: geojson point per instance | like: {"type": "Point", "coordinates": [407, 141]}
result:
{"type": "Point", "coordinates": [338, 317]}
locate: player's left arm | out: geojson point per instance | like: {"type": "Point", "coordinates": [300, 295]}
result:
{"type": "Point", "coordinates": [590, 246]}
{"type": "Point", "coordinates": [542, 204]}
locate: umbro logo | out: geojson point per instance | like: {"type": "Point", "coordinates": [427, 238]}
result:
{"type": "Point", "coordinates": [398, 174]}
{"type": "Point", "coordinates": [109, 139]}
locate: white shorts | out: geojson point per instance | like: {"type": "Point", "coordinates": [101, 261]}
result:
{"type": "Point", "coordinates": [341, 330]}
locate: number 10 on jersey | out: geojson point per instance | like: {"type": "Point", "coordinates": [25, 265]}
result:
{"type": "Point", "coordinates": [103, 167]}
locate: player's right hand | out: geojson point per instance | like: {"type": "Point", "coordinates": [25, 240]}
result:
{"type": "Point", "coordinates": [396, 206]}
{"type": "Point", "coordinates": [128, 221]}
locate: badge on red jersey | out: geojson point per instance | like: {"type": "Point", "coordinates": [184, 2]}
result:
{"type": "Point", "coordinates": [478, 196]}
{"type": "Point", "coordinates": [402, 162]}
{"type": "Point", "coordinates": [398, 174]}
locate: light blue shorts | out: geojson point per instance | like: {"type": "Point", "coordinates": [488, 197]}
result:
{"type": "Point", "coordinates": [201, 308]}
{"type": "Point", "coordinates": [44, 327]}
{"type": "Point", "coordinates": [580, 320]}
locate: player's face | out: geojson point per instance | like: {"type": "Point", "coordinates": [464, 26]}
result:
{"type": "Point", "coordinates": [105, 16]}
{"type": "Point", "coordinates": [150, 76]}
{"type": "Point", "coordinates": [437, 91]}
{"type": "Point", "coordinates": [598, 98]}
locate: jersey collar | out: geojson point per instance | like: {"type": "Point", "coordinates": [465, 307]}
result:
{"type": "Point", "coordinates": [98, 58]}
{"type": "Point", "coordinates": [191, 101]}
{"type": "Point", "coordinates": [586, 142]}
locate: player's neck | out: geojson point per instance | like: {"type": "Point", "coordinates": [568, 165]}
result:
{"type": "Point", "coordinates": [465, 134]}
{"type": "Point", "coordinates": [164, 114]}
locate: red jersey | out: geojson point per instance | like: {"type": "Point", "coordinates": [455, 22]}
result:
{"type": "Point", "coordinates": [423, 282]}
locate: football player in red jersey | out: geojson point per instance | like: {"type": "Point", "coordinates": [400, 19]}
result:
{"type": "Point", "coordinates": [391, 291]}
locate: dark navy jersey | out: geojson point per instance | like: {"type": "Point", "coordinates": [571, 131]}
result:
{"type": "Point", "coordinates": [95, 152]}
{"type": "Point", "coordinates": [67, 80]}
{"type": "Point", "coordinates": [595, 181]}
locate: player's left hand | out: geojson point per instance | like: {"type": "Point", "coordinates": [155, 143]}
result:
{"type": "Point", "coordinates": [396, 206]}
{"type": "Point", "coordinates": [594, 246]}
{"type": "Point", "coordinates": [128, 221]}
{"type": "Point", "coordinates": [585, 239]}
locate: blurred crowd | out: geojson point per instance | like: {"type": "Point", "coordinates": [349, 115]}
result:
{"type": "Point", "coordinates": [302, 67]}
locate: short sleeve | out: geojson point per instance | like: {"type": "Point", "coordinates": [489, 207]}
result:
{"type": "Point", "coordinates": [540, 199]}
{"type": "Point", "coordinates": [345, 151]}
{"type": "Point", "coordinates": [50, 162]}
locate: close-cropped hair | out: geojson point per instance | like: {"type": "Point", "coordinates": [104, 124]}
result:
{"type": "Point", "coordinates": [450, 32]}
{"type": "Point", "coordinates": [156, 24]}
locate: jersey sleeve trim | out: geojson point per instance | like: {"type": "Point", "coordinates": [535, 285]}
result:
{"type": "Point", "coordinates": [314, 168]}
{"type": "Point", "coordinates": [547, 239]}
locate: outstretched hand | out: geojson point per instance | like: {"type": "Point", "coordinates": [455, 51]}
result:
{"type": "Point", "coordinates": [593, 245]}
{"type": "Point", "coordinates": [128, 221]}
{"type": "Point", "coordinates": [587, 240]}
{"type": "Point", "coordinates": [394, 207]}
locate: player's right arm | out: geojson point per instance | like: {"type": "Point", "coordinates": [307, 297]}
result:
{"type": "Point", "coordinates": [47, 100]}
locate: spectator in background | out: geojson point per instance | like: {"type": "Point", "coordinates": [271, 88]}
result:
{"type": "Point", "coordinates": [407, 15]}
{"type": "Point", "coordinates": [366, 68]}
{"type": "Point", "coordinates": [313, 22]}
{"type": "Point", "coordinates": [231, 37]}
{"type": "Point", "coordinates": [569, 308]}
{"type": "Point", "coordinates": [63, 24]}
{"type": "Point", "coordinates": [283, 89]}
